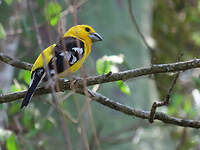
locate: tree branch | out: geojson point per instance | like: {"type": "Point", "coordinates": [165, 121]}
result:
{"type": "Point", "coordinates": [15, 62]}
{"type": "Point", "coordinates": [120, 107]}
{"type": "Point", "coordinates": [125, 75]}
{"type": "Point", "coordinates": [92, 80]}
{"type": "Point", "coordinates": [140, 113]}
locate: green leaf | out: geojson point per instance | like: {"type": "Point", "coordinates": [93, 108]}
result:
{"type": "Point", "coordinates": [8, 1]}
{"type": "Point", "coordinates": [53, 12]}
{"type": "Point", "coordinates": [2, 32]}
{"type": "Point", "coordinates": [124, 87]}
{"type": "Point", "coordinates": [103, 66]}
{"type": "Point", "coordinates": [54, 21]}
{"type": "Point", "coordinates": [25, 75]}
{"type": "Point", "coordinates": [11, 143]}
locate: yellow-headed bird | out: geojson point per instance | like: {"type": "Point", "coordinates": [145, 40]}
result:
{"type": "Point", "coordinates": [67, 55]}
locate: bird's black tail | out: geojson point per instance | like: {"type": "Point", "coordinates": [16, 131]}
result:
{"type": "Point", "coordinates": [35, 79]}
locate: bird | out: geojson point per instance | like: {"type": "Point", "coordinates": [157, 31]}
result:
{"type": "Point", "coordinates": [64, 57]}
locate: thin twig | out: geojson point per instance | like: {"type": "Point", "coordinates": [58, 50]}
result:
{"type": "Point", "coordinates": [136, 25]}
{"type": "Point", "coordinates": [63, 122]}
{"type": "Point", "coordinates": [64, 113]}
{"type": "Point", "coordinates": [36, 29]}
{"type": "Point", "coordinates": [167, 98]}
{"type": "Point", "coordinates": [163, 103]}
{"type": "Point", "coordinates": [71, 8]}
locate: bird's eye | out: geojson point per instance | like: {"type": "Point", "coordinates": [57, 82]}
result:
{"type": "Point", "coordinates": [87, 29]}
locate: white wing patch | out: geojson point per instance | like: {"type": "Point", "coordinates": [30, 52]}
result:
{"type": "Point", "coordinates": [74, 59]}
{"type": "Point", "coordinates": [62, 54]}
{"type": "Point", "coordinates": [71, 57]}
{"type": "Point", "coordinates": [77, 49]}
{"type": "Point", "coordinates": [31, 81]}
{"type": "Point", "coordinates": [68, 54]}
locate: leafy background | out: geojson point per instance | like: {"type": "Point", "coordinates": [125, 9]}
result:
{"type": "Point", "coordinates": [171, 27]}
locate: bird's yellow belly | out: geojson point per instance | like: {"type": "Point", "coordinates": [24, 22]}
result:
{"type": "Point", "coordinates": [72, 69]}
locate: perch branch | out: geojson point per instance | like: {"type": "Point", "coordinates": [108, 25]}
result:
{"type": "Point", "coordinates": [125, 75]}
{"type": "Point", "coordinates": [92, 80]}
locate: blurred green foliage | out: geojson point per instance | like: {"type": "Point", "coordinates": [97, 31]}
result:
{"type": "Point", "coordinates": [25, 75]}
{"type": "Point", "coordinates": [11, 143]}
{"type": "Point", "coordinates": [2, 32]}
{"type": "Point", "coordinates": [9, 2]}
{"type": "Point", "coordinates": [52, 12]}
{"type": "Point", "coordinates": [175, 30]}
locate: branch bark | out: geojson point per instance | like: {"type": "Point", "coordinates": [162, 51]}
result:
{"type": "Point", "coordinates": [15, 62]}
{"type": "Point", "coordinates": [125, 75]}
{"type": "Point", "coordinates": [92, 80]}
{"type": "Point", "coordinates": [141, 113]}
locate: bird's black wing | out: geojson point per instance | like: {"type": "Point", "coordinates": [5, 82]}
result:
{"type": "Point", "coordinates": [36, 77]}
{"type": "Point", "coordinates": [67, 52]}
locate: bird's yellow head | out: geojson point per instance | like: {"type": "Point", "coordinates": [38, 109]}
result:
{"type": "Point", "coordinates": [83, 32]}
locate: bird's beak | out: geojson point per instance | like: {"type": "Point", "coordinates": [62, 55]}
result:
{"type": "Point", "coordinates": [95, 37]}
